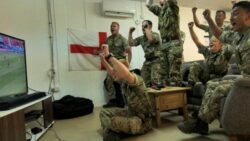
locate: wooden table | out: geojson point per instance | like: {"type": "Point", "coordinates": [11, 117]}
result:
{"type": "Point", "coordinates": [169, 98]}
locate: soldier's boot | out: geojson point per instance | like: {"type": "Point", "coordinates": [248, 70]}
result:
{"type": "Point", "coordinates": [111, 103]}
{"type": "Point", "coordinates": [111, 136]}
{"type": "Point", "coordinates": [194, 125]}
{"type": "Point", "coordinates": [191, 83]}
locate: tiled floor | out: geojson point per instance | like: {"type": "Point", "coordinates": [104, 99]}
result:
{"type": "Point", "coordinates": [87, 128]}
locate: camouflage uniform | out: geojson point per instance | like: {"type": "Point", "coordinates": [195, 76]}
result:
{"type": "Point", "coordinates": [136, 117]}
{"type": "Point", "coordinates": [117, 46]}
{"type": "Point", "coordinates": [216, 90]}
{"type": "Point", "coordinates": [225, 27]}
{"type": "Point", "coordinates": [214, 66]}
{"type": "Point", "coordinates": [172, 47]}
{"type": "Point", "coordinates": [152, 65]}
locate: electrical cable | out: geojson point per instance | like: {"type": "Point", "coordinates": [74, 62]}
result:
{"type": "Point", "coordinates": [51, 73]}
{"type": "Point", "coordinates": [40, 124]}
{"type": "Point", "coordinates": [56, 135]}
{"type": "Point", "coordinates": [31, 136]}
{"type": "Point", "coordinates": [34, 89]}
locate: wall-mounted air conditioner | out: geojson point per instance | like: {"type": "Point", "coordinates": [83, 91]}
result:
{"type": "Point", "coordinates": [118, 8]}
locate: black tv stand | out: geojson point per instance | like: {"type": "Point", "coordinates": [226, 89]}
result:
{"type": "Point", "coordinates": [12, 102]}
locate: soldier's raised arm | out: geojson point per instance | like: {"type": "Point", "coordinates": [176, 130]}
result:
{"type": "Point", "coordinates": [130, 36]}
{"type": "Point", "coordinates": [118, 70]}
{"type": "Point", "coordinates": [197, 22]}
{"type": "Point", "coordinates": [216, 30]}
{"type": "Point", "coordinates": [194, 36]}
{"type": "Point", "coordinates": [155, 9]}
{"type": "Point", "coordinates": [129, 52]}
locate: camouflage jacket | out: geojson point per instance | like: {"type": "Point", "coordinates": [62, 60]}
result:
{"type": "Point", "coordinates": [225, 27]}
{"type": "Point", "coordinates": [117, 46]}
{"type": "Point", "coordinates": [136, 98]}
{"type": "Point", "coordinates": [168, 19]}
{"type": "Point", "coordinates": [217, 63]}
{"type": "Point", "coordinates": [150, 50]}
{"type": "Point", "coordinates": [241, 45]}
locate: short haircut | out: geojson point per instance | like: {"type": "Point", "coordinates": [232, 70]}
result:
{"type": "Point", "coordinates": [243, 4]}
{"type": "Point", "coordinates": [136, 71]}
{"type": "Point", "coordinates": [222, 11]}
{"type": "Point", "coordinates": [149, 22]}
{"type": "Point", "coordinates": [115, 23]}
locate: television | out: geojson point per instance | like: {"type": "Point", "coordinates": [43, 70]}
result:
{"type": "Point", "coordinates": [13, 72]}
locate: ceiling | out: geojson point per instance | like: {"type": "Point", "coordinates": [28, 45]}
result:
{"type": "Point", "coordinates": [205, 4]}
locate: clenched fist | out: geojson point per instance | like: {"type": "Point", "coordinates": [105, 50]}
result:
{"type": "Point", "coordinates": [132, 29]}
{"type": "Point", "coordinates": [194, 9]}
{"type": "Point", "coordinates": [190, 25]}
{"type": "Point", "coordinates": [207, 14]}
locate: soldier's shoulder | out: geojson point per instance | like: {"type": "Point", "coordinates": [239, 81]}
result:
{"type": "Point", "coordinates": [122, 37]}
{"type": "Point", "coordinates": [109, 37]}
{"type": "Point", "coordinates": [138, 81]}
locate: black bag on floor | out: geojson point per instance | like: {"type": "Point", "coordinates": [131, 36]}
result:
{"type": "Point", "coordinates": [70, 107]}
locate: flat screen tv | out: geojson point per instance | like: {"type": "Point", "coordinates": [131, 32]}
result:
{"type": "Point", "coordinates": [13, 72]}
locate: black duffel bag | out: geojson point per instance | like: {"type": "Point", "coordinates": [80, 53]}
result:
{"type": "Point", "coordinates": [70, 107]}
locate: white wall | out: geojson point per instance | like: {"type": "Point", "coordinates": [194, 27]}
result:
{"type": "Point", "coordinates": [27, 19]}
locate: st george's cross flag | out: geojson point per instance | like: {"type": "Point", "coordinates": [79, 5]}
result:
{"type": "Point", "coordinates": [82, 46]}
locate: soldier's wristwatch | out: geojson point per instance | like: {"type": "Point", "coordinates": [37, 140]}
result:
{"type": "Point", "coordinates": [109, 56]}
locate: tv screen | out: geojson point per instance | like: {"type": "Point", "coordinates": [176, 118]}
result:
{"type": "Point", "coordinates": [13, 73]}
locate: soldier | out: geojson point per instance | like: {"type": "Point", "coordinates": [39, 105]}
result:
{"type": "Point", "coordinates": [119, 47]}
{"type": "Point", "coordinates": [136, 117]}
{"type": "Point", "coordinates": [172, 47]}
{"type": "Point", "coordinates": [216, 60]}
{"type": "Point", "coordinates": [220, 17]}
{"type": "Point", "coordinates": [239, 38]}
{"type": "Point", "coordinates": [150, 43]}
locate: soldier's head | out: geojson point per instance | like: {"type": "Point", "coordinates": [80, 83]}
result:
{"type": "Point", "coordinates": [220, 16]}
{"type": "Point", "coordinates": [215, 44]}
{"type": "Point", "coordinates": [146, 24]}
{"type": "Point", "coordinates": [162, 2]}
{"type": "Point", "coordinates": [114, 28]}
{"type": "Point", "coordinates": [240, 16]}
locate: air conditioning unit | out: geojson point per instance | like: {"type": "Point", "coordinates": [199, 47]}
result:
{"type": "Point", "coordinates": [118, 8]}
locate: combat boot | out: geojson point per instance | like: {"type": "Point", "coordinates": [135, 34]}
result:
{"type": "Point", "coordinates": [111, 136]}
{"type": "Point", "coordinates": [191, 83]}
{"type": "Point", "coordinates": [194, 125]}
{"type": "Point", "coordinates": [111, 103]}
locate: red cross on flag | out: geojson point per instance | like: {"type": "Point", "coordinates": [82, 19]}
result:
{"type": "Point", "coordinates": [82, 46]}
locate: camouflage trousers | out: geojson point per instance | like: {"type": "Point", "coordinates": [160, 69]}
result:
{"type": "Point", "coordinates": [151, 72]}
{"type": "Point", "coordinates": [119, 120]}
{"type": "Point", "coordinates": [173, 58]}
{"type": "Point", "coordinates": [216, 90]}
{"type": "Point", "coordinates": [109, 86]}
{"type": "Point", "coordinates": [200, 73]}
